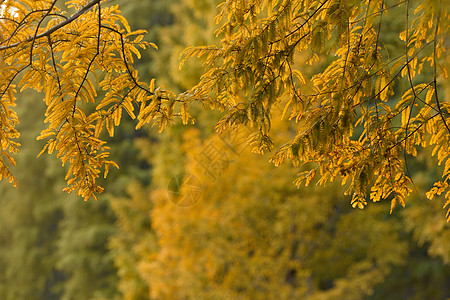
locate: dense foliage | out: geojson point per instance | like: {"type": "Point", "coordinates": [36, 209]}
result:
{"type": "Point", "coordinates": [374, 94]}
{"type": "Point", "coordinates": [373, 100]}
{"type": "Point", "coordinates": [195, 214]}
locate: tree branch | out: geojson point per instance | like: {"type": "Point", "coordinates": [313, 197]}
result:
{"type": "Point", "coordinates": [69, 20]}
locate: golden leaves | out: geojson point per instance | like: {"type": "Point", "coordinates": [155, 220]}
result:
{"type": "Point", "coordinates": [305, 177]}
{"type": "Point", "coordinates": [70, 65]}
{"type": "Point", "coordinates": [358, 108]}
{"type": "Point", "coordinates": [364, 109]}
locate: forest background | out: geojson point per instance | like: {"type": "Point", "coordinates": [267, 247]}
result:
{"type": "Point", "coordinates": [241, 230]}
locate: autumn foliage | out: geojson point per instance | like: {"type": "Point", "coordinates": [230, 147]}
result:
{"type": "Point", "coordinates": [211, 203]}
{"type": "Point", "coordinates": [365, 102]}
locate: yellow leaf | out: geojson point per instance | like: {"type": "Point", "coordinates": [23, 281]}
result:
{"type": "Point", "coordinates": [124, 22]}
{"type": "Point", "coordinates": [152, 85]}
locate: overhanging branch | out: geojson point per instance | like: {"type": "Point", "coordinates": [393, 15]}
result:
{"type": "Point", "coordinates": [48, 32]}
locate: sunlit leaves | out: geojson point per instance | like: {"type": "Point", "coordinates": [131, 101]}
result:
{"type": "Point", "coordinates": [70, 58]}
{"type": "Point", "coordinates": [369, 101]}
{"type": "Point", "coordinates": [364, 102]}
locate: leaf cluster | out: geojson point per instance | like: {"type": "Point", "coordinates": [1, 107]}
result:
{"type": "Point", "coordinates": [365, 104]}
{"type": "Point", "coordinates": [71, 58]}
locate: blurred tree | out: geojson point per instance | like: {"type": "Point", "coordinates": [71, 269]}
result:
{"type": "Point", "coordinates": [51, 247]}
{"type": "Point", "coordinates": [224, 246]}
{"type": "Point", "coordinates": [29, 218]}
{"type": "Point", "coordinates": [83, 255]}
{"type": "Point", "coordinates": [253, 236]}
{"type": "Point", "coordinates": [132, 240]}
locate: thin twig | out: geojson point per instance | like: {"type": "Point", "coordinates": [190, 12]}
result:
{"type": "Point", "coordinates": [48, 32]}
